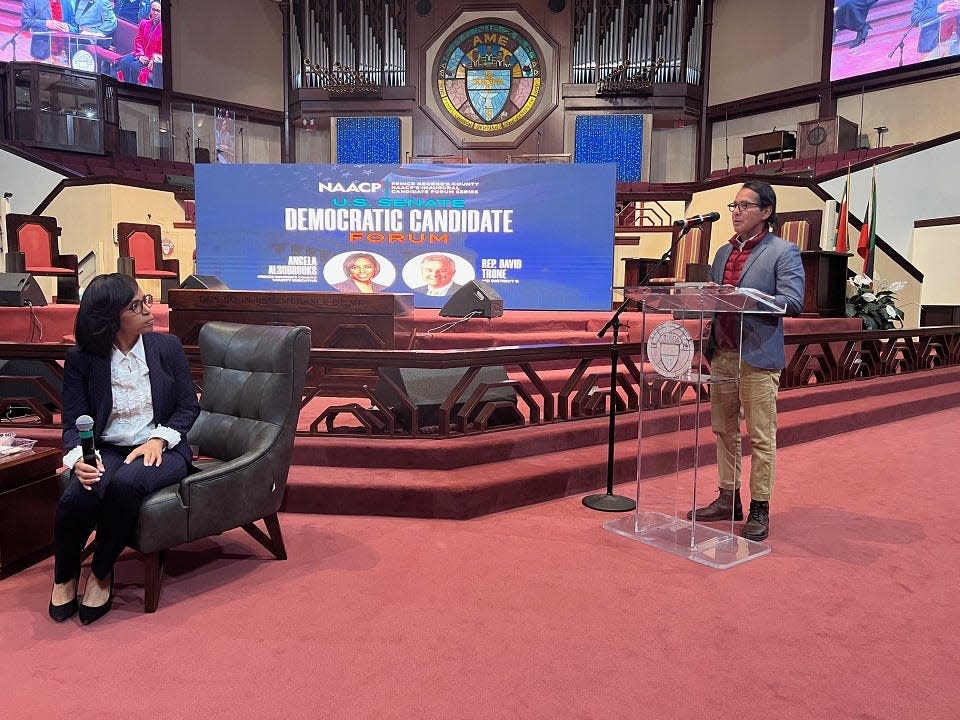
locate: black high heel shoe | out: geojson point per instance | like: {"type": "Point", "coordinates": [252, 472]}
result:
{"type": "Point", "coordinates": [66, 611]}
{"type": "Point", "coordinates": [92, 614]}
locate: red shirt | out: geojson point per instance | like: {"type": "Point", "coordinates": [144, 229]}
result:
{"type": "Point", "coordinates": [727, 328]}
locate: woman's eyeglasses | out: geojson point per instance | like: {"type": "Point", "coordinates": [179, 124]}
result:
{"type": "Point", "coordinates": [137, 306]}
{"type": "Point", "coordinates": [741, 206]}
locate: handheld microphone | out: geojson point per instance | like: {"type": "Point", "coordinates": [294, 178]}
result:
{"type": "Point", "coordinates": [697, 220]}
{"type": "Point", "coordinates": [85, 428]}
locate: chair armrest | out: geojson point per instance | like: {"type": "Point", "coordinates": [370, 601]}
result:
{"type": "Point", "coordinates": [698, 272]}
{"type": "Point", "coordinates": [66, 261]}
{"type": "Point", "coordinates": [213, 469]}
{"type": "Point", "coordinates": [171, 266]}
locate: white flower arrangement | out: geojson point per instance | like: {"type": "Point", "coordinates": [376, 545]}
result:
{"type": "Point", "coordinates": [875, 302]}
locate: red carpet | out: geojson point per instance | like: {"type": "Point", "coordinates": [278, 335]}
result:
{"type": "Point", "coordinates": [538, 612]}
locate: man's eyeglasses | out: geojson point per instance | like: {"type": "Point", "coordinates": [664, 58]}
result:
{"type": "Point", "coordinates": [137, 306]}
{"type": "Point", "coordinates": [742, 206]}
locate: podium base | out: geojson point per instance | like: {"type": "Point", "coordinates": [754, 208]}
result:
{"type": "Point", "coordinates": [702, 544]}
{"type": "Point", "coordinates": [608, 502]}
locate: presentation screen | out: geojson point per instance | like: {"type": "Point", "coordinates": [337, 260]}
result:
{"type": "Point", "coordinates": [541, 235]}
{"type": "Point", "coordinates": [874, 35]}
{"type": "Point", "coordinates": [119, 38]}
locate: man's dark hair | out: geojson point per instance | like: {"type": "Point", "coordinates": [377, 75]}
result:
{"type": "Point", "coordinates": [98, 319]}
{"type": "Point", "coordinates": [768, 198]}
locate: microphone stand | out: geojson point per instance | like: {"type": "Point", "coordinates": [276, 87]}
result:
{"type": "Point", "coordinates": [13, 41]}
{"type": "Point", "coordinates": [609, 501]}
{"type": "Point", "coordinates": [899, 46]}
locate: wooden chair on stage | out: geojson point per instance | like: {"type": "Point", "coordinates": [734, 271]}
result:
{"type": "Point", "coordinates": [802, 228]}
{"type": "Point", "coordinates": [141, 256]}
{"type": "Point", "coordinates": [688, 263]}
{"type": "Point", "coordinates": [33, 247]}
{"type": "Point", "coordinates": [825, 271]}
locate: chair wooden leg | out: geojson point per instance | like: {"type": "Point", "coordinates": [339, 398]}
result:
{"type": "Point", "coordinates": [153, 579]}
{"type": "Point", "coordinates": [272, 542]}
{"type": "Point", "coordinates": [166, 285]}
{"type": "Point", "coordinates": [68, 290]}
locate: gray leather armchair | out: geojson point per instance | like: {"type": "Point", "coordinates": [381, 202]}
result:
{"type": "Point", "coordinates": [253, 380]}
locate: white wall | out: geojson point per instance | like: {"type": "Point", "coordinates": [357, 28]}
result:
{"type": "Point", "coordinates": [930, 246]}
{"type": "Point", "coordinates": [673, 155]}
{"type": "Point", "coordinates": [229, 50]}
{"type": "Point", "coordinates": [28, 182]}
{"type": "Point", "coordinates": [761, 46]}
{"type": "Point", "coordinates": [910, 113]}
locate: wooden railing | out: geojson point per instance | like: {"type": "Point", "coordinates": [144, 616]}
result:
{"type": "Point", "coordinates": [552, 383]}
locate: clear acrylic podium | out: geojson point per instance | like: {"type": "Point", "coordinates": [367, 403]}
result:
{"type": "Point", "coordinates": [674, 321]}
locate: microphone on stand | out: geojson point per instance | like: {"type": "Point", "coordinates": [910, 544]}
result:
{"type": "Point", "coordinates": [539, 136]}
{"type": "Point", "coordinates": [85, 428]}
{"type": "Point", "coordinates": [696, 220]}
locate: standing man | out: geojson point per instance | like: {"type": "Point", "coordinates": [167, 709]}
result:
{"type": "Point", "coordinates": [754, 258]}
{"type": "Point", "coordinates": [937, 20]}
{"type": "Point", "coordinates": [41, 17]}
{"type": "Point", "coordinates": [94, 17]}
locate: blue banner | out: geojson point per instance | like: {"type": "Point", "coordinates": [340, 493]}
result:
{"type": "Point", "coordinates": [540, 234]}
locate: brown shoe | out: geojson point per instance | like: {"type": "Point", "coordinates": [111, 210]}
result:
{"type": "Point", "coordinates": [757, 526]}
{"type": "Point", "coordinates": [726, 504]}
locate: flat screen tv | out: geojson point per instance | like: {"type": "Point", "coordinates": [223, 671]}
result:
{"type": "Point", "coordinates": [875, 35]}
{"type": "Point", "coordinates": [119, 38]}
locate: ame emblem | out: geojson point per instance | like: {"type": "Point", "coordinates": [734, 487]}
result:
{"type": "Point", "coordinates": [670, 349]}
{"type": "Point", "coordinates": [488, 78]}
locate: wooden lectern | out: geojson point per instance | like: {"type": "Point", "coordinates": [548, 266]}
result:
{"type": "Point", "coordinates": [336, 320]}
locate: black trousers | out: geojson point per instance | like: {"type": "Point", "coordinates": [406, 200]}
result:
{"type": "Point", "coordinates": [111, 508]}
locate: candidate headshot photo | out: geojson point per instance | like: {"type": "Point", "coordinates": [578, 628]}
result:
{"type": "Point", "coordinates": [359, 272]}
{"type": "Point", "coordinates": [437, 274]}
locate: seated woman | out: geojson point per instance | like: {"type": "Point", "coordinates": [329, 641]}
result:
{"type": "Point", "coordinates": [360, 270]}
{"type": "Point", "coordinates": [138, 66]}
{"type": "Point", "coordinates": [136, 386]}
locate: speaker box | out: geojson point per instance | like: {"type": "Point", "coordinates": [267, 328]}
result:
{"type": "Point", "coordinates": [475, 297]}
{"type": "Point", "coordinates": [201, 155]}
{"type": "Point", "coordinates": [203, 282]}
{"type": "Point", "coordinates": [427, 389]}
{"type": "Point", "coordinates": [11, 387]}
{"type": "Point", "coordinates": [19, 289]}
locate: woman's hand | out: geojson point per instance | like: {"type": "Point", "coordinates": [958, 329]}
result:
{"type": "Point", "coordinates": [88, 475]}
{"type": "Point", "coordinates": [151, 451]}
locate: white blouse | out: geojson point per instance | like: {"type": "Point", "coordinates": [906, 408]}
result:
{"type": "Point", "coordinates": [131, 420]}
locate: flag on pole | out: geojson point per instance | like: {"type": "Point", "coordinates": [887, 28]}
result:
{"type": "Point", "coordinates": [868, 233]}
{"type": "Point", "coordinates": [841, 240]}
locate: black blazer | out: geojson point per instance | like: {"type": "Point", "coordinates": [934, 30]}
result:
{"type": "Point", "coordinates": [87, 391]}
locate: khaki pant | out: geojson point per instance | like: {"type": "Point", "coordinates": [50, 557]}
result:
{"type": "Point", "coordinates": [754, 399]}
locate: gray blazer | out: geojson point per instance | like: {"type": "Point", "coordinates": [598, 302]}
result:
{"type": "Point", "coordinates": [774, 267]}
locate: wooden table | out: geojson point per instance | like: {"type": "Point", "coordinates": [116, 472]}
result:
{"type": "Point", "coordinates": [29, 492]}
{"type": "Point", "coordinates": [776, 144]}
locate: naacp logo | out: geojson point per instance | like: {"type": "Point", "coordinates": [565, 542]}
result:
{"type": "Point", "coordinates": [488, 78]}
{"type": "Point", "coordinates": [670, 350]}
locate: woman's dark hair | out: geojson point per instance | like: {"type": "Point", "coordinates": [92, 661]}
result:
{"type": "Point", "coordinates": [768, 198]}
{"type": "Point", "coordinates": [98, 320]}
{"type": "Point", "coordinates": [352, 260]}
